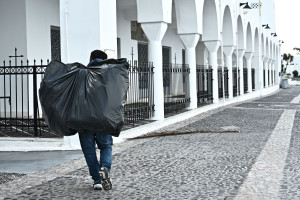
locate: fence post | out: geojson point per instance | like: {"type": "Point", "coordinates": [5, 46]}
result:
{"type": "Point", "coordinates": [35, 103]}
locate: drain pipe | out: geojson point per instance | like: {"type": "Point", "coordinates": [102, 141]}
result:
{"type": "Point", "coordinates": [67, 30]}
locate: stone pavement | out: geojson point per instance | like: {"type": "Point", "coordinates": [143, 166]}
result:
{"type": "Point", "coordinates": [259, 162]}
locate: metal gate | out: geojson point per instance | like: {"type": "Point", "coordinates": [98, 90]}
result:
{"type": "Point", "coordinates": [167, 66]}
{"type": "Point", "coordinates": [204, 85]}
{"type": "Point", "coordinates": [20, 112]}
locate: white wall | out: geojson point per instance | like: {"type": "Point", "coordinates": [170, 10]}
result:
{"type": "Point", "coordinates": [124, 18]}
{"type": "Point", "coordinates": [201, 54]}
{"type": "Point", "coordinates": [13, 28]}
{"type": "Point", "coordinates": [40, 15]}
{"type": "Point", "coordinates": [12, 35]}
{"type": "Point", "coordinates": [28, 29]}
{"type": "Point", "coordinates": [172, 39]}
{"type": "Point", "coordinates": [296, 66]}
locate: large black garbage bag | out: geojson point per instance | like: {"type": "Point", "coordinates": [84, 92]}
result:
{"type": "Point", "coordinates": [75, 98]}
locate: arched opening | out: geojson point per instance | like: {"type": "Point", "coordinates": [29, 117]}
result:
{"type": "Point", "coordinates": [227, 28]}
{"type": "Point", "coordinates": [240, 55]}
{"type": "Point", "coordinates": [228, 45]}
{"type": "Point", "coordinates": [249, 45]}
{"type": "Point", "coordinates": [255, 65]}
{"type": "Point", "coordinates": [267, 67]}
{"type": "Point", "coordinates": [210, 21]}
{"type": "Point", "coordinates": [240, 30]}
{"type": "Point", "coordinates": [211, 40]}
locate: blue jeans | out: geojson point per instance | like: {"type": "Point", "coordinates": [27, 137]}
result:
{"type": "Point", "coordinates": [88, 143]}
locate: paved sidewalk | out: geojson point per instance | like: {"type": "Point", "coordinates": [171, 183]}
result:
{"type": "Point", "coordinates": [259, 162]}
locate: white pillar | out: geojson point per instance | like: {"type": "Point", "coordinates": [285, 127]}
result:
{"type": "Point", "coordinates": [190, 41]}
{"type": "Point", "coordinates": [274, 72]}
{"type": "Point", "coordinates": [82, 29]}
{"type": "Point", "coordinates": [228, 50]}
{"type": "Point", "coordinates": [261, 72]}
{"type": "Point", "coordinates": [155, 33]}
{"type": "Point", "coordinates": [240, 67]}
{"type": "Point", "coordinates": [248, 56]}
{"type": "Point", "coordinates": [269, 72]}
{"type": "Point", "coordinates": [266, 59]}
{"type": "Point", "coordinates": [212, 47]}
{"type": "Point", "coordinates": [255, 61]}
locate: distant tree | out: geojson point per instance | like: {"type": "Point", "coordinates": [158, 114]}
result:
{"type": "Point", "coordinates": [295, 73]}
{"type": "Point", "coordinates": [289, 59]}
{"type": "Point", "coordinates": [298, 50]}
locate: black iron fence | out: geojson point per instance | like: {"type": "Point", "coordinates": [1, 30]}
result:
{"type": "Point", "coordinates": [253, 78]}
{"type": "Point", "coordinates": [272, 77]}
{"type": "Point", "coordinates": [268, 84]}
{"type": "Point", "coordinates": [220, 82]}
{"type": "Point", "coordinates": [204, 85]}
{"type": "Point", "coordinates": [235, 81]}
{"type": "Point", "coordinates": [20, 111]}
{"type": "Point", "coordinates": [245, 74]}
{"type": "Point", "coordinates": [264, 74]}
{"type": "Point", "coordinates": [140, 98]}
{"type": "Point", "coordinates": [176, 87]}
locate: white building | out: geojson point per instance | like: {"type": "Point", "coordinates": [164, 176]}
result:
{"type": "Point", "coordinates": [195, 32]}
{"type": "Point", "coordinates": [294, 66]}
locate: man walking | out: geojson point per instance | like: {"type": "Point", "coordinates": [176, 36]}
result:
{"type": "Point", "coordinates": [99, 170]}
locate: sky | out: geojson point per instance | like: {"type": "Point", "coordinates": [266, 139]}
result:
{"type": "Point", "coordinates": [288, 24]}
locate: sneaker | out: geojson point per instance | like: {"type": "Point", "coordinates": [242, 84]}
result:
{"type": "Point", "coordinates": [97, 185]}
{"type": "Point", "coordinates": [106, 182]}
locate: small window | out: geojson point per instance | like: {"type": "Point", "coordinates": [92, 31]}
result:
{"type": "Point", "coordinates": [119, 47]}
{"type": "Point", "coordinates": [55, 43]}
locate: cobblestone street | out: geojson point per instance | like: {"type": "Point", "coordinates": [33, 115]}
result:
{"type": "Point", "coordinates": [259, 159]}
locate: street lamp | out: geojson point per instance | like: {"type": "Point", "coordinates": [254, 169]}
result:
{"type": "Point", "coordinates": [274, 34]}
{"type": "Point", "coordinates": [246, 5]}
{"type": "Point", "coordinates": [266, 26]}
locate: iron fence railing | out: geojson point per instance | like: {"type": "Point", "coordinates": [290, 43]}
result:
{"type": "Point", "coordinates": [20, 110]}
{"type": "Point", "coordinates": [140, 98]}
{"type": "Point", "coordinates": [235, 81]}
{"type": "Point", "coordinates": [220, 82]}
{"type": "Point", "coordinates": [264, 74]}
{"type": "Point", "coordinates": [268, 84]}
{"type": "Point", "coordinates": [245, 74]}
{"type": "Point", "coordinates": [204, 85]}
{"type": "Point", "coordinates": [176, 87]}
{"type": "Point", "coordinates": [272, 77]}
{"type": "Point", "coordinates": [253, 78]}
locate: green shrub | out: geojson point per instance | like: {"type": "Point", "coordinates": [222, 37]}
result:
{"type": "Point", "coordinates": [295, 73]}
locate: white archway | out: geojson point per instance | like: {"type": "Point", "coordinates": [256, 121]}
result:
{"type": "Point", "coordinates": [228, 46]}
{"type": "Point", "coordinates": [211, 40]}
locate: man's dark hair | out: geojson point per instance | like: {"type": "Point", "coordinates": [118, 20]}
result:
{"type": "Point", "coordinates": [98, 54]}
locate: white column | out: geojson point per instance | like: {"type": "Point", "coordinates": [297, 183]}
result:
{"type": "Point", "coordinates": [240, 67]}
{"type": "Point", "coordinates": [261, 72]}
{"type": "Point", "coordinates": [212, 47]}
{"type": "Point", "coordinates": [248, 56]}
{"type": "Point", "coordinates": [228, 50]}
{"type": "Point", "coordinates": [269, 72]}
{"type": "Point", "coordinates": [155, 33]}
{"type": "Point", "coordinates": [266, 59]}
{"type": "Point", "coordinates": [274, 72]}
{"type": "Point", "coordinates": [83, 29]}
{"type": "Point", "coordinates": [190, 41]}
{"type": "Point", "coordinates": [255, 62]}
